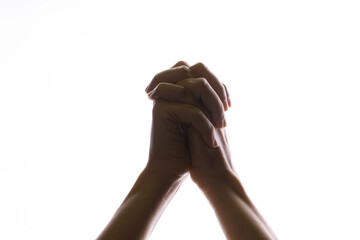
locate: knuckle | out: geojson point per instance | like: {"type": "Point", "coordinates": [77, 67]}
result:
{"type": "Point", "coordinates": [183, 68]}
{"type": "Point", "coordinates": [156, 77]}
{"type": "Point", "coordinates": [198, 68]}
{"type": "Point", "coordinates": [202, 82]}
{"type": "Point", "coordinates": [185, 71]}
{"type": "Point", "coordinates": [200, 65]}
{"type": "Point", "coordinates": [181, 63]}
{"type": "Point", "coordinates": [222, 92]}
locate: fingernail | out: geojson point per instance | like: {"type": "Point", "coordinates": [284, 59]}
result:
{"type": "Point", "coordinates": [151, 94]}
{"type": "Point", "coordinates": [214, 142]}
{"type": "Point", "coordinates": [224, 122]}
{"type": "Point", "coordinates": [225, 105]}
{"type": "Point", "coordinates": [146, 88]}
{"type": "Point", "coordinates": [229, 102]}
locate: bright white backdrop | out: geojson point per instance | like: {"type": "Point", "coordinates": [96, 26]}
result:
{"type": "Point", "coordinates": [75, 120]}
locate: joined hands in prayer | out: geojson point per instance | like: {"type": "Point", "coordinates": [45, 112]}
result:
{"type": "Point", "coordinates": [188, 137]}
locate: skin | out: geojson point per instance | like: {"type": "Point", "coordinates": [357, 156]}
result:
{"type": "Point", "coordinates": [188, 136]}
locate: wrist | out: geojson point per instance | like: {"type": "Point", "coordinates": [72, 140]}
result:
{"type": "Point", "coordinates": [207, 179]}
{"type": "Point", "coordinates": [218, 181]}
{"type": "Point", "coordinates": [223, 184]}
{"type": "Point", "coordinates": [162, 176]}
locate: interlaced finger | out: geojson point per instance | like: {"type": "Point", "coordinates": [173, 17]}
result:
{"type": "Point", "coordinates": [177, 93]}
{"type": "Point", "coordinates": [200, 70]}
{"type": "Point", "coordinates": [171, 75]}
{"type": "Point", "coordinates": [205, 94]}
{"type": "Point", "coordinates": [190, 116]}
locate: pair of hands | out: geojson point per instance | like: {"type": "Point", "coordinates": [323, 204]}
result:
{"type": "Point", "coordinates": [188, 136]}
{"type": "Point", "coordinates": [188, 128]}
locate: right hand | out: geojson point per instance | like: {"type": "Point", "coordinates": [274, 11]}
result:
{"type": "Point", "coordinates": [206, 93]}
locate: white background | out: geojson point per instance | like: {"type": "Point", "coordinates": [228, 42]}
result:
{"type": "Point", "coordinates": [75, 120]}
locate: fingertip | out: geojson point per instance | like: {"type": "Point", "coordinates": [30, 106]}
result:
{"type": "Point", "coordinates": [219, 123]}
{"type": "Point", "coordinates": [215, 144]}
{"type": "Point", "coordinates": [227, 96]}
{"type": "Point", "coordinates": [151, 94]}
{"type": "Point", "coordinates": [225, 104]}
{"type": "Point", "coordinates": [210, 142]}
{"type": "Point", "coordinates": [224, 123]}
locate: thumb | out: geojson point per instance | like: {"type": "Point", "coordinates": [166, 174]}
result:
{"type": "Point", "coordinates": [196, 143]}
{"type": "Point", "coordinates": [201, 155]}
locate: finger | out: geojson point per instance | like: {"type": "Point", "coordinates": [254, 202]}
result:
{"type": "Point", "coordinates": [171, 75]}
{"type": "Point", "coordinates": [200, 70]}
{"type": "Point", "coordinates": [190, 115]}
{"type": "Point", "coordinates": [201, 89]}
{"type": "Point", "coordinates": [181, 63]}
{"type": "Point", "coordinates": [227, 95]}
{"type": "Point", "coordinates": [177, 93]}
{"type": "Point", "coordinates": [173, 92]}
{"type": "Point", "coordinates": [193, 91]}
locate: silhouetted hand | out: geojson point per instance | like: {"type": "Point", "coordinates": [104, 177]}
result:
{"type": "Point", "coordinates": [202, 94]}
{"type": "Point", "coordinates": [188, 134]}
{"type": "Point", "coordinates": [203, 98]}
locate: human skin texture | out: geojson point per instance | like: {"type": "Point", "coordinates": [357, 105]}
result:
{"type": "Point", "coordinates": [188, 136]}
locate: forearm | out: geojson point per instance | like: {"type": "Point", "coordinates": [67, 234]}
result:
{"type": "Point", "coordinates": [237, 215]}
{"type": "Point", "coordinates": [141, 209]}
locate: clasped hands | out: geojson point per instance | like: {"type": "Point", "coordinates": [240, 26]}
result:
{"type": "Point", "coordinates": [188, 128]}
{"type": "Point", "coordinates": [187, 136]}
